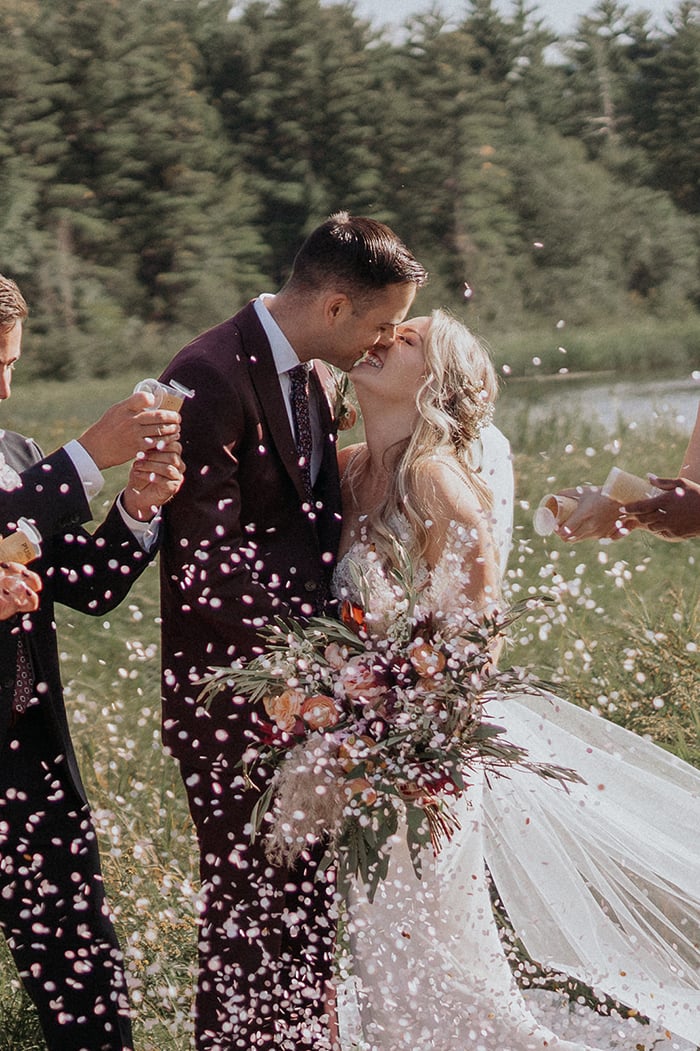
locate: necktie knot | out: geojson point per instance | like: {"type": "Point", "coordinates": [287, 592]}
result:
{"type": "Point", "coordinates": [299, 375]}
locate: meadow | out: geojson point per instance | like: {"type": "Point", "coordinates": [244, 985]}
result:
{"type": "Point", "coordinates": [618, 634]}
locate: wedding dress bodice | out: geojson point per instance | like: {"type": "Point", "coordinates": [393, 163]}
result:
{"type": "Point", "coordinates": [442, 590]}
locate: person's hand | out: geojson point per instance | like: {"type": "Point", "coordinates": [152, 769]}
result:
{"type": "Point", "coordinates": [130, 427]}
{"type": "Point", "coordinates": [596, 517]}
{"type": "Point", "coordinates": [19, 589]}
{"type": "Point", "coordinates": [154, 479]}
{"type": "Point", "coordinates": [672, 515]}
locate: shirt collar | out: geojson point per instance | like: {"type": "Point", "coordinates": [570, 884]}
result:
{"type": "Point", "coordinates": [283, 352]}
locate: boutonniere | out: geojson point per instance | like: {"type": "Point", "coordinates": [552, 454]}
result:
{"type": "Point", "coordinates": [342, 407]}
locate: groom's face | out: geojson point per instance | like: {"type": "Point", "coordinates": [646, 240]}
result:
{"type": "Point", "coordinates": [357, 327]}
{"type": "Point", "coordinates": [10, 345]}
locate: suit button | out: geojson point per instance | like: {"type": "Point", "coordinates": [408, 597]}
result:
{"type": "Point", "coordinates": [310, 585]}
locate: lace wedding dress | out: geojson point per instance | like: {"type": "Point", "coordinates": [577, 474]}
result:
{"type": "Point", "coordinates": [601, 883]}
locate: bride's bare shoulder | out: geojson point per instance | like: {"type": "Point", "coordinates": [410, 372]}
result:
{"type": "Point", "coordinates": [443, 489]}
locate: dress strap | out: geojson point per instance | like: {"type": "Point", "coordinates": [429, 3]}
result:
{"type": "Point", "coordinates": [350, 462]}
{"type": "Point", "coordinates": [448, 461]}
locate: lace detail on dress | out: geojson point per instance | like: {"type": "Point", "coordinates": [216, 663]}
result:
{"type": "Point", "coordinates": [442, 590]}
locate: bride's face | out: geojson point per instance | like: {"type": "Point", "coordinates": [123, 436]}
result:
{"type": "Point", "coordinates": [396, 371]}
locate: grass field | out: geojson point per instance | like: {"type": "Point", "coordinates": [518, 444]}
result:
{"type": "Point", "coordinates": [621, 635]}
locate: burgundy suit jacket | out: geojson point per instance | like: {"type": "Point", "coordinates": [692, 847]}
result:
{"type": "Point", "coordinates": [238, 546]}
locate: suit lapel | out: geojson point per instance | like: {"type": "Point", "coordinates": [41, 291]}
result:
{"type": "Point", "coordinates": [266, 382]}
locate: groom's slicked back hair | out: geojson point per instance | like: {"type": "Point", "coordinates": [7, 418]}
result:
{"type": "Point", "coordinates": [356, 254]}
{"type": "Point", "coordinates": [12, 305]}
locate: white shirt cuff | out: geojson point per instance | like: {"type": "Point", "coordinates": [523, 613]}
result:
{"type": "Point", "coordinates": [145, 533]}
{"type": "Point", "coordinates": [89, 472]}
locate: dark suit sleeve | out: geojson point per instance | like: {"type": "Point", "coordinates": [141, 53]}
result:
{"type": "Point", "coordinates": [209, 563]}
{"type": "Point", "coordinates": [94, 572]}
{"type": "Point", "coordinates": [51, 494]}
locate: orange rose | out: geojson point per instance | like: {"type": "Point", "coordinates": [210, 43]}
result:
{"type": "Point", "coordinates": [285, 708]}
{"type": "Point", "coordinates": [319, 711]}
{"type": "Point", "coordinates": [426, 660]}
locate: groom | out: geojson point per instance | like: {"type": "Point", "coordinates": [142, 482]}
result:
{"type": "Point", "coordinates": [253, 535]}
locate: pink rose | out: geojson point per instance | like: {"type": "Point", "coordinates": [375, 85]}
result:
{"type": "Point", "coordinates": [359, 680]}
{"type": "Point", "coordinates": [336, 655]}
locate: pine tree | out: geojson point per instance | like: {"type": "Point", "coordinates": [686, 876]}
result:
{"type": "Point", "coordinates": [601, 75]}
{"type": "Point", "coordinates": [669, 128]}
{"type": "Point", "coordinates": [294, 83]}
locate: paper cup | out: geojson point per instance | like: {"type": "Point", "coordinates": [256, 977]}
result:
{"type": "Point", "coordinates": [168, 395]}
{"type": "Point", "coordinates": [22, 546]}
{"type": "Point", "coordinates": [625, 488]}
{"type": "Point", "coordinates": [553, 511]}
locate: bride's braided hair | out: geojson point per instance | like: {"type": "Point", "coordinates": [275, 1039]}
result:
{"type": "Point", "coordinates": [454, 402]}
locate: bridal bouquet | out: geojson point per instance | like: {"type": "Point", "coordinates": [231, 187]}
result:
{"type": "Point", "coordinates": [356, 729]}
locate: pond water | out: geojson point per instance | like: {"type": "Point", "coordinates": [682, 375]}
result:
{"type": "Point", "coordinates": [614, 403]}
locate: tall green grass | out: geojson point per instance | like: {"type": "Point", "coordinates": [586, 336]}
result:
{"type": "Point", "coordinates": [621, 636]}
{"type": "Point", "coordinates": [644, 346]}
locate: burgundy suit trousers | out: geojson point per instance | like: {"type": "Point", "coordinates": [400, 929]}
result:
{"type": "Point", "coordinates": [267, 933]}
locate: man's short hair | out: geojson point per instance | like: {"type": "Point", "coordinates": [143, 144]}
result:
{"type": "Point", "coordinates": [356, 254]}
{"type": "Point", "coordinates": [12, 305]}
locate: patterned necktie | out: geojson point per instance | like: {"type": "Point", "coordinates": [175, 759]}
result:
{"type": "Point", "coordinates": [299, 398]}
{"type": "Point", "coordinates": [24, 680]}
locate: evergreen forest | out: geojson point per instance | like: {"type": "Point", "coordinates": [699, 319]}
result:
{"type": "Point", "coordinates": [162, 160]}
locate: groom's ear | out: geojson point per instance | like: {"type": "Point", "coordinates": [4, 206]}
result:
{"type": "Point", "coordinates": [336, 308]}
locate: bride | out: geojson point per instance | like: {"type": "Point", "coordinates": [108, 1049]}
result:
{"type": "Point", "coordinates": [600, 882]}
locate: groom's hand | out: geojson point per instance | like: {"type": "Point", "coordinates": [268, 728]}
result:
{"type": "Point", "coordinates": [672, 515]}
{"type": "Point", "coordinates": [596, 517]}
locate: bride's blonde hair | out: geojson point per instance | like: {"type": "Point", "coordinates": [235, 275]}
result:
{"type": "Point", "coordinates": [454, 402]}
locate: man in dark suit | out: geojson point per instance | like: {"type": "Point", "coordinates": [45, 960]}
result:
{"type": "Point", "coordinates": [52, 904]}
{"type": "Point", "coordinates": [253, 534]}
